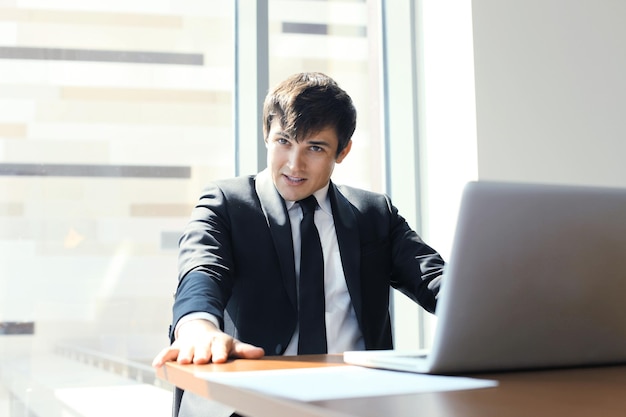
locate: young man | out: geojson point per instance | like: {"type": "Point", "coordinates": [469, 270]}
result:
{"type": "Point", "coordinates": [244, 257]}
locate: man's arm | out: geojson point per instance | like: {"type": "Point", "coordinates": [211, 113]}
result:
{"type": "Point", "coordinates": [205, 284]}
{"type": "Point", "coordinates": [417, 267]}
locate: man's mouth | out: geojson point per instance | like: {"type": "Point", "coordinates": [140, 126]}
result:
{"type": "Point", "coordinates": [294, 179]}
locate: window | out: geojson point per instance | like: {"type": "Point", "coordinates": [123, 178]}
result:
{"type": "Point", "coordinates": [113, 115]}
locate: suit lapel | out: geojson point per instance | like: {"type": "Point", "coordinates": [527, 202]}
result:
{"type": "Point", "coordinates": [275, 211]}
{"type": "Point", "coordinates": [346, 228]}
{"type": "Point", "coordinates": [347, 231]}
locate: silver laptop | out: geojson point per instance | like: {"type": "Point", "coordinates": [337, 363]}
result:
{"type": "Point", "coordinates": [536, 279]}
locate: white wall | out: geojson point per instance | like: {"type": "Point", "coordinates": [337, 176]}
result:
{"type": "Point", "coordinates": [551, 90]}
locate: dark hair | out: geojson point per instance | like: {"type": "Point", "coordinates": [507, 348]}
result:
{"type": "Point", "coordinates": [307, 103]}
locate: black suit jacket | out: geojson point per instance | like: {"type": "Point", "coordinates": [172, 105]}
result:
{"type": "Point", "coordinates": [236, 261]}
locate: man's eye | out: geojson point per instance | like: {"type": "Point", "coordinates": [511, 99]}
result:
{"type": "Point", "coordinates": [282, 141]}
{"type": "Point", "coordinates": [317, 148]}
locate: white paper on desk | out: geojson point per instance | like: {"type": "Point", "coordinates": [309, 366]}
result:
{"type": "Point", "coordinates": [327, 383]}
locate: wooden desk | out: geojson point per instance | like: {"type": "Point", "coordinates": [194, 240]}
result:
{"type": "Point", "coordinates": [583, 392]}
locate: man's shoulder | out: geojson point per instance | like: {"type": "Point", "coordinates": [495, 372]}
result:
{"type": "Point", "coordinates": [363, 202]}
{"type": "Point", "coordinates": [231, 191]}
{"type": "Point", "coordinates": [234, 186]}
{"type": "Point", "coordinates": [235, 182]}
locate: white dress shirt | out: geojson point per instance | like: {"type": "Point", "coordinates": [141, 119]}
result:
{"type": "Point", "coordinates": [342, 329]}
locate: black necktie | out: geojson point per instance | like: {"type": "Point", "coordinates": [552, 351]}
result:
{"type": "Point", "coordinates": [311, 291]}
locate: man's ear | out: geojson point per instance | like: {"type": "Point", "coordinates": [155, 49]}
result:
{"type": "Point", "coordinates": [344, 152]}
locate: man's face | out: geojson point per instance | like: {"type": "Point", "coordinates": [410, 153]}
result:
{"type": "Point", "coordinates": [301, 168]}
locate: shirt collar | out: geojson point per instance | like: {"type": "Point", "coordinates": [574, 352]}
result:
{"type": "Point", "coordinates": [321, 196]}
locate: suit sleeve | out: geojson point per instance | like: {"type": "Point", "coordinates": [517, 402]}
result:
{"type": "Point", "coordinates": [205, 259]}
{"type": "Point", "coordinates": [416, 267]}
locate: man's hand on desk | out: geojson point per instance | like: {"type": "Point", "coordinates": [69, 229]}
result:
{"type": "Point", "coordinates": [200, 342]}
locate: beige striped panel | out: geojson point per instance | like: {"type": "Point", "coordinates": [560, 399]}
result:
{"type": "Point", "coordinates": [90, 18]}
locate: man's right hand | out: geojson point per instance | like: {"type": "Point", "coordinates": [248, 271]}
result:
{"type": "Point", "coordinates": [199, 341]}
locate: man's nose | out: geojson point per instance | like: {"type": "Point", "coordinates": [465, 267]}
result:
{"type": "Point", "coordinates": [296, 158]}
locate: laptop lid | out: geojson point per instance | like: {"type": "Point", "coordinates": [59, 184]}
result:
{"type": "Point", "coordinates": [536, 279]}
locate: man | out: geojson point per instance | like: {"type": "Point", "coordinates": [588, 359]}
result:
{"type": "Point", "coordinates": [243, 258]}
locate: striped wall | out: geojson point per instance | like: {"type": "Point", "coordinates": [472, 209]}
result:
{"type": "Point", "coordinates": [112, 117]}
